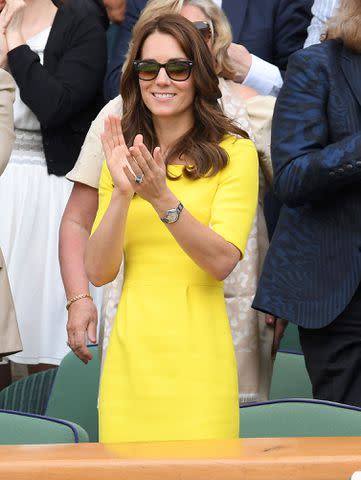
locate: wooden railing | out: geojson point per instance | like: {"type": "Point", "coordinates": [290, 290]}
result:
{"type": "Point", "coordinates": [249, 459]}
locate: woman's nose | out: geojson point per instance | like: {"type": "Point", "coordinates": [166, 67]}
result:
{"type": "Point", "coordinates": [162, 77]}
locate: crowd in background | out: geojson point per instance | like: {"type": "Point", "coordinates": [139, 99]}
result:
{"type": "Point", "coordinates": [300, 263]}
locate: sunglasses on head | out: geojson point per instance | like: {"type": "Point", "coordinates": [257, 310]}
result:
{"type": "Point", "coordinates": [205, 29]}
{"type": "Point", "coordinates": [177, 70]}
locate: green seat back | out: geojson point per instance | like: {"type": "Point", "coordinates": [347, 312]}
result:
{"type": "Point", "coordinates": [19, 428]}
{"type": "Point", "coordinates": [290, 378]}
{"type": "Point", "coordinates": [30, 394]}
{"type": "Point", "coordinates": [74, 395]}
{"type": "Point", "coordinates": [291, 340]}
{"type": "Point", "coordinates": [299, 418]}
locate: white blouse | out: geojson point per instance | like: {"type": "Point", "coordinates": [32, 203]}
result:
{"type": "Point", "coordinates": [24, 118]}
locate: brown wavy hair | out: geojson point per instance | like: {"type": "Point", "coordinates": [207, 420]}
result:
{"type": "Point", "coordinates": [201, 142]}
{"type": "Point", "coordinates": [345, 25]}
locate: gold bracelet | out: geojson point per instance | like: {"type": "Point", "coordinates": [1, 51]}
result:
{"type": "Point", "coordinates": [78, 297]}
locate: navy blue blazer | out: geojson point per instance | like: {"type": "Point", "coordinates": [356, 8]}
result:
{"type": "Point", "coordinates": [270, 29]}
{"type": "Point", "coordinates": [313, 265]}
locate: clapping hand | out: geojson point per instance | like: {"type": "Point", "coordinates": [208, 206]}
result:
{"type": "Point", "coordinates": [116, 152]}
{"type": "Point", "coordinates": [11, 18]}
{"type": "Point", "coordinates": [146, 172]}
{"type": "Point", "coordinates": [134, 169]}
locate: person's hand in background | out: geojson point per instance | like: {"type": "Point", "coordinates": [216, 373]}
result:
{"type": "Point", "coordinates": [241, 60]}
{"type": "Point", "coordinates": [11, 22]}
{"type": "Point", "coordinates": [11, 12]}
{"type": "Point", "coordinates": [279, 326]}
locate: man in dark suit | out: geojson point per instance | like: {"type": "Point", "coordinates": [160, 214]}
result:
{"type": "Point", "coordinates": [265, 33]}
{"type": "Point", "coordinates": [312, 271]}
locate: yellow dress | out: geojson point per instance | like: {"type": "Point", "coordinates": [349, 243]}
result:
{"type": "Point", "coordinates": [170, 370]}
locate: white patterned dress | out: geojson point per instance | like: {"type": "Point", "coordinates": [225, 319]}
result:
{"type": "Point", "coordinates": [32, 206]}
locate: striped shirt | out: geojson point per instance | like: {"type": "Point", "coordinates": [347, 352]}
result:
{"type": "Point", "coordinates": [322, 10]}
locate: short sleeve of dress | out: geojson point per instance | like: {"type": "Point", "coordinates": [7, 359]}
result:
{"type": "Point", "coordinates": [105, 191]}
{"type": "Point", "coordinates": [235, 201]}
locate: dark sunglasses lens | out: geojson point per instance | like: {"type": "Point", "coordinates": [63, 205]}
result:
{"type": "Point", "coordinates": [178, 71]}
{"type": "Point", "coordinates": [204, 29]}
{"type": "Point", "coordinates": [147, 70]}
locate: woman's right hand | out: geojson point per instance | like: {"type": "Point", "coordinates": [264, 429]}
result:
{"type": "Point", "coordinates": [11, 22]}
{"type": "Point", "coordinates": [116, 151]}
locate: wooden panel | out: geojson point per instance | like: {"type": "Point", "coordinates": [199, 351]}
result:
{"type": "Point", "coordinates": [249, 459]}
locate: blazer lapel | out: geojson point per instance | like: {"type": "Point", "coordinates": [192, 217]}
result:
{"type": "Point", "coordinates": [351, 66]}
{"type": "Point", "coordinates": [236, 12]}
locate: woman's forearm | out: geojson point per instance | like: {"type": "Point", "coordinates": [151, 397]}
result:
{"type": "Point", "coordinates": [104, 251]}
{"type": "Point", "coordinates": [204, 246]}
{"type": "Point", "coordinates": [73, 239]}
{"type": "Point", "coordinates": [74, 232]}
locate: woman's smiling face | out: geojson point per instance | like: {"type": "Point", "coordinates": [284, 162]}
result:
{"type": "Point", "coordinates": [163, 96]}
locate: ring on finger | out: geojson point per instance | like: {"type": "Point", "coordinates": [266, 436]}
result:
{"type": "Point", "coordinates": [139, 178]}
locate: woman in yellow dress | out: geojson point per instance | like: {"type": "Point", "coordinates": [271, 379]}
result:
{"type": "Point", "coordinates": [177, 197]}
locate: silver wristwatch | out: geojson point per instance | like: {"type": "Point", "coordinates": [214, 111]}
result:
{"type": "Point", "coordinates": [172, 215]}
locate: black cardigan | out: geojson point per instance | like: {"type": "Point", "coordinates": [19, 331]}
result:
{"type": "Point", "coordinates": [65, 92]}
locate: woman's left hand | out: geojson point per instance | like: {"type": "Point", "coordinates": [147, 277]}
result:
{"type": "Point", "coordinates": [149, 178]}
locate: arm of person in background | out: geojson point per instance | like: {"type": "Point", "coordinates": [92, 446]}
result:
{"type": "Point", "coordinates": [254, 72]}
{"type": "Point", "coordinates": [7, 96]}
{"type": "Point", "coordinates": [322, 10]}
{"type": "Point", "coordinates": [260, 113]}
{"type": "Point", "coordinates": [290, 26]}
{"type": "Point", "coordinates": [115, 10]}
{"type": "Point", "coordinates": [122, 36]}
{"type": "Point", "coordinates": [75, 81]}
{"type": "Point", "coordinates": [305, 164]}
{"type": "Point", "coordinates": [74, 232]}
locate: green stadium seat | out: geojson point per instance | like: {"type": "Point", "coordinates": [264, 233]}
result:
{"type": "Point", "coordinates": [299, 418]}
{"type": "Point", "coordinates": [23, 428]}
{"type": "Point", "coordinates": [290, 378]}
{"type": "Point", "coordinates": [30, 394]}
{"type": "Point", "coordinates": [74, 395]}
{"type": "Point", "coordinates": [290, 341]}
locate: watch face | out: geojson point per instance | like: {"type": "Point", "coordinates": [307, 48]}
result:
{"type": "Point", "coordinates": [172, 216]}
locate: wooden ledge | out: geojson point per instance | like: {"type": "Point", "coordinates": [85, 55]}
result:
{"type": "Point", "coordinates": [314, 458]}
